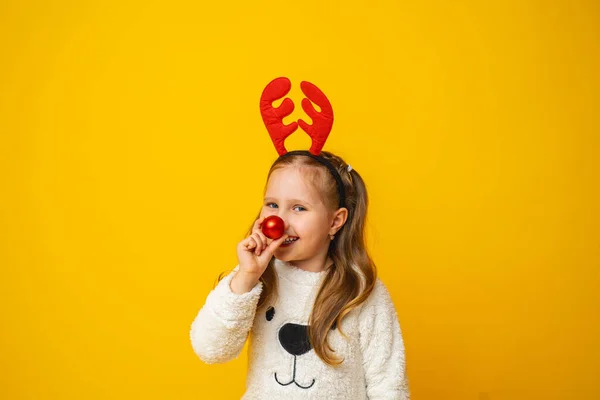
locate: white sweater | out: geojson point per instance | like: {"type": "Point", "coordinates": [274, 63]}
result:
{"type": "Point", "coordinates": [282, 364]}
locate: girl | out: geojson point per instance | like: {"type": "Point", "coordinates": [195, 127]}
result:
{"type": "Point", "coordinates": [321, 324]}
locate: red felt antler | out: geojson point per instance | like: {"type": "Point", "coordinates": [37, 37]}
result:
{"type": "Point", "coordinates": [322, 121]}
{"type": "Point", "coordinates": [273, 117]}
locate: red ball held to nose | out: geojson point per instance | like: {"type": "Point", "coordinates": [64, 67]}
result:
{"type": "Point", "coordinates": [273, 227]}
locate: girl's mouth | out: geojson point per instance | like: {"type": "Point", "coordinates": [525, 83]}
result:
{"type": "Point", "coordinates": [289, 241]}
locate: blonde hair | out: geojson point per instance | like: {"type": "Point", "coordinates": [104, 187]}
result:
{"type": "Point", "coordinates": [351, 278]}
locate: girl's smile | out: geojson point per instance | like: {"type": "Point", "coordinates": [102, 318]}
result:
{"type": "Point", "coordinates": [287, 242]}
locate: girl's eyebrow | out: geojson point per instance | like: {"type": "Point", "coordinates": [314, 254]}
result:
{"type": "Point", "coordinates": [290, 200]}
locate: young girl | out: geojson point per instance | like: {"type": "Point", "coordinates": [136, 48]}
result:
{"type": "Point", "coordinates": [321, 324]}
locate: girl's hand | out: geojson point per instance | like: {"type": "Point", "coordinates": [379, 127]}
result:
{"type": "Point", "coordinates": [255, 252]}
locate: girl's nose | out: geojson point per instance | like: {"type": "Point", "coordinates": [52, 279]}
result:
{"type": "Point", "coordinates": [282, 214]}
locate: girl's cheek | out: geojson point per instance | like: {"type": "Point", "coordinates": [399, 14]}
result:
{"type": "Point", "coordinates": [266, 211]}
{"type": "Point", "coordinates": [271, 211]}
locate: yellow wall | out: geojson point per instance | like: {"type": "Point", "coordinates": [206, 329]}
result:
{"type": "Point", "coordinates": [133, 157]}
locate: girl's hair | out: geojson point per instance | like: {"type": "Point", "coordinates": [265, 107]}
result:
{"type": "Point", "coordinates": [351, 278]}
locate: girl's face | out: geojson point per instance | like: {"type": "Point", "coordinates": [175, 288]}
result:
{"type": "Point", "coordinates": [306, 218]}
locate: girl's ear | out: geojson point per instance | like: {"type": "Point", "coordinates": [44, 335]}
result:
{"type": "Point", "coordinates": [339, 219]}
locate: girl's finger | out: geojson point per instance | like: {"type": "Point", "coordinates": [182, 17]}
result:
{"type": "Point", "coordinates": [259, 242]}
{"type": "Point", "coordinates": [249, 243]}
{"type": "Point", "coordinates": [257, 223]}
{"type": "Point", "coordinates": [263, 238]}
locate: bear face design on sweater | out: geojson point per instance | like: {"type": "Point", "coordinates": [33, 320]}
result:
{"type": "Point", "coordinates": [281, 360]}
{"type": "Point", "coordinates": [294, 339]}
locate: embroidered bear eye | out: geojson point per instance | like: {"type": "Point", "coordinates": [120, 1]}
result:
{"type": "Point", "coordinates": [270, 313]}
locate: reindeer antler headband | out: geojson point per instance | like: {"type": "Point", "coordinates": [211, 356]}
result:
{"type": "Point", "coordinates": [318, 131]}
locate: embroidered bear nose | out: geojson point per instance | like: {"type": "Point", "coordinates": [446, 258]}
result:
{"type": "Point", "coordinates": [294, 339]}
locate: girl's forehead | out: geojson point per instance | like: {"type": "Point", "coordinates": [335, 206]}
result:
{"type": "Point", "coordinates": [292, 183]}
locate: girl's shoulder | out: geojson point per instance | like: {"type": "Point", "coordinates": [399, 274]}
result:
{"type": "Point", "coordinates": [379, 301]}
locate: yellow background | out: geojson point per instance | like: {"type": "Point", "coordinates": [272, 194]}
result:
{"type": "Point", "coordinates": [133, 159]}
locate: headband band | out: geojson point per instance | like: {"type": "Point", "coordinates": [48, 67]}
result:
{"type": "Point", "coordinates": [330, 167]}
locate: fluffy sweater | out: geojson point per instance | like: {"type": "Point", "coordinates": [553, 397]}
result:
{"type": "Point", "coordinates": [282, 363]}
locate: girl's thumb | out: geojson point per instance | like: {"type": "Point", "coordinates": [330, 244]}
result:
{"type": "Point", "coordinates": [275, 244]}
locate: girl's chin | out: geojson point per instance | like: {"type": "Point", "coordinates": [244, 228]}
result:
{"type": "Point", "coordinates": [282, 254]}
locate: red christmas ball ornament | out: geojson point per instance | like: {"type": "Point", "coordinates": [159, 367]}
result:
{"type": "Point", "coordinates": [273, 227]}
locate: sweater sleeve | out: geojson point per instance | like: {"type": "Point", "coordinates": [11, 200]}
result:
{"type": "Point", "coordinates": [382, 347]}
{"type": "Point", "coordinates": [220, 329]}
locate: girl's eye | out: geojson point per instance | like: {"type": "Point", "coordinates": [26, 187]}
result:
{"type": "Point", "coordinates": [273, 205]}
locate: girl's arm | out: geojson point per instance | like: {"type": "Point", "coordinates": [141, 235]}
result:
{"type": "Point", "coordinates": [220, 329]}
{"type": "Point", "coordinates": [382, 347]}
